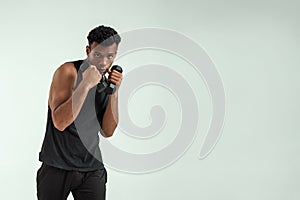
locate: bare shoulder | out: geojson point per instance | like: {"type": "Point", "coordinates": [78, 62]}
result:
{"type": "Point", "coordinates": [67, 69]}
{"type": "Point", "coordinates": [63, 83]}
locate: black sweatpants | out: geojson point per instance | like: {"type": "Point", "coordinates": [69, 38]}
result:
{"type": "Point", "coordinates": [56, 184]}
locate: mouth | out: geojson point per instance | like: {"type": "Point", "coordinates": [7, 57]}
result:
{"type": "Point", "coordinates": [102, 70]}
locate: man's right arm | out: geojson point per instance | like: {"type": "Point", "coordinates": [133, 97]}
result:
{"type": "Point", "coordinates": [65, 102]}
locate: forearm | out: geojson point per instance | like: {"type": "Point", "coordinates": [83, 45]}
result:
{"type": "Point", "coordinates": [67, 112]}
{"type": "Point", "coordinates": [111, 116]}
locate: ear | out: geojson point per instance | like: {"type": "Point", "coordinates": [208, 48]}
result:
{"type": "Point", "coordinates": [117, 49]}
{"type": "Point", "coordinates": [116, 52]}
{"type": "Point", "coordinates": [87, 50]}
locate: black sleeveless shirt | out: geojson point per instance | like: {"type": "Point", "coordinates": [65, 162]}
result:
{"type": "Point", "coordinates": [76, 147]}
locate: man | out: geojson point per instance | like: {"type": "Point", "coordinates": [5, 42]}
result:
{"type": "Point", "coordinates": [77, 111]}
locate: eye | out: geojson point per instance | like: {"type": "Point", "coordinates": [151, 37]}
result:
{"type": "Point", "coordinates": [110, 57]}
{"type": "Point", "coordinates": [97, 55]}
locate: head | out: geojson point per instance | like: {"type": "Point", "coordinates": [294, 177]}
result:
{"type": "Point", "coordinates": [103, 46]}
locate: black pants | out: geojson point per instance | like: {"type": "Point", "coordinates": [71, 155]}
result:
{"type": "Point", "coordinates": [56, 184]}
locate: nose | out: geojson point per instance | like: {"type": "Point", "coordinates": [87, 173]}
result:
{"type": "Point", "coordinates": [103, 62]}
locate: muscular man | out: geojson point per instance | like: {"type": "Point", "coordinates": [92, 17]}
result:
{"type": "Point", "coordinates": [77, 112]}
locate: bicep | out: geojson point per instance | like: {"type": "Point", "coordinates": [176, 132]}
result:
{"type": "Point", "coordinates": [62, 86]}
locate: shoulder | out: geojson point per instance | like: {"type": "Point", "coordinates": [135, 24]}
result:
{"type": "Point", "coordinates": [66, 74]}
{"type": "Point", "coordinates": [66, 70]}
{"type": "Point", "coordinates": [67, 67]}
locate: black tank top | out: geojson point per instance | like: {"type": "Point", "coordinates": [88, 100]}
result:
{"type": "Point", "coordinates": [77, 147]}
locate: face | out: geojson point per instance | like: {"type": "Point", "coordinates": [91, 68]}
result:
{"type": "Point", "coordinates": [101, 56]}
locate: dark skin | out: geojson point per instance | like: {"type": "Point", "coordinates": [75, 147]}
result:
{"type": "Point", "coordinates": [65, 100]}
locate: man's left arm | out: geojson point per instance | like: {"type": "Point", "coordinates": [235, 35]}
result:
{"type": "Point", "coordinates": [111, 115]}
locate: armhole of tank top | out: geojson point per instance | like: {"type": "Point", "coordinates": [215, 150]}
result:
{"type": "Point", "coordinates": [77, 64]}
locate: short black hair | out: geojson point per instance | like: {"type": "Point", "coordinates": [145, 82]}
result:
{"type": "Point", "coordinates": [104, 35]}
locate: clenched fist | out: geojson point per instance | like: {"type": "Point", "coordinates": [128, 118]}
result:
{"type": "Point", "coordinates": [91, 76]}
{"type": "Point", "coordinates": [115, 77]}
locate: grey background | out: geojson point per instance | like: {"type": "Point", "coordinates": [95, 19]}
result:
{"type": "Point", "coordinates": [254, 45]}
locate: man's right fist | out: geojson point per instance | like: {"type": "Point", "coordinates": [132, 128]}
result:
{"type": "Point", "coordinates": [91, 76]}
